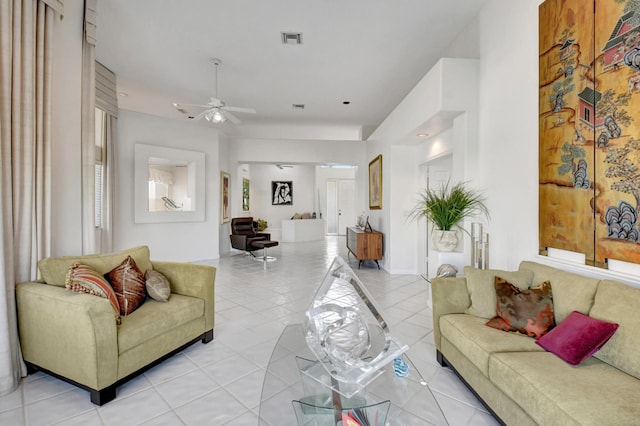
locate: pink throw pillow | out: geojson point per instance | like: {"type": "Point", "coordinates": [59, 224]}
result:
{"type": "Point", "coordinates": [577, 337]}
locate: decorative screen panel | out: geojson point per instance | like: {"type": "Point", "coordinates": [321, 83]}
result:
{"type": "Point", "coordinates": [567, 114]}
{"type": "Point", "coordinates": [617, 150]}
{"type": "Point", "coordinates": [589, 157]}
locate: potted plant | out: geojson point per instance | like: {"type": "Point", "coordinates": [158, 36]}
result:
{"type": "Point", "coordinates": [446, 207]}
{"type": "Point", "coordinates": [262, 225]}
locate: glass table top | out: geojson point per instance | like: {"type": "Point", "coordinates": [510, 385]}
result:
{"type": "Point", "coordinates": [291, 397]}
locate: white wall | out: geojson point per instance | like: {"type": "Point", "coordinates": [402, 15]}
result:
{"type": "Point", "coordinates": [167, 241]}
{"type": "Point", "coordinates": [292, 151]}
{"type": "Point", "coordinates": [303, 178]}
{"type": "Point", "coordinates": [508, 130]}
{"type": "Point", "coordinates": [66, 160]}
{"type": "Point", "coordinates": [446, 94]}
{"type": "Point", "coordinates": [235, 191]}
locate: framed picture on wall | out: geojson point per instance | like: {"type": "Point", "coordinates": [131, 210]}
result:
{"type": "Point", "coordinates": [375, 183]}
{"type": "Point", "coordinates": [225, 210]}
{"type": "Point", "coordinates": [281, 193]}
{"type": "Point", "coordinates": [245, 194]}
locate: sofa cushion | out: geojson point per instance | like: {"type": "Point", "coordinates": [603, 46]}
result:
{"type": "Point", "coordinates": [158, 287]}
{"type": "Point", "coordinates": [155, 318]}
{"type": "Point", "coordinates": [482, 291]}
{"type": "Point", "coordinates": [528, 312]}
{"type": "Point", "coordinates": [553, 392]}
{"type": "Point", "coordinates": [53, 270]}
{"type": "Point", "coordinates": [619, 303]}
{"type": "Point", "coordinates": [571, 292]}
{"type": "Point", "coordinates": [129, 285]}
{"type": "Point", "coordinates": [470, 336]}
{"type": "Point", "coordinates": [577, 337]}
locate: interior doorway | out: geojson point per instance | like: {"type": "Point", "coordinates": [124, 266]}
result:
{"type": "Point", "coordinates": [433, 173]}
{"type": "Point", "coordinates": [341, 205]}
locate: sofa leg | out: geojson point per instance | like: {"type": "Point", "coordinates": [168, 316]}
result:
{"type": "Point", "coordinates": [103, 396]}
{"type": "Point", "coordinates": [208, 336]}
{"type": "Point", "coordinates": [441, 359]}
{"type": "Point", "coordinates": [31, 369]}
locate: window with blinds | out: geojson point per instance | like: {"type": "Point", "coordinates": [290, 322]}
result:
{"type": "Point", "coordinates": [101, 142]}
{"type": "Point", "coordinates": [106, 103]}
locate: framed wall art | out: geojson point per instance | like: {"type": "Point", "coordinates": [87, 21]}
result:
{"type": "Point", "coordinates": [375, 183]}
{"type": "Point", "coordinates": [281, 193]}
{"type": "Point", "coordinates": [225, 210]}
{"type": "Point", "coordinates": [245, 194]}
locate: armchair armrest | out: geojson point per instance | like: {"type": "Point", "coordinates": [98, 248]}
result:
{"type": "Point", "coordinates": [450, 296]}
{"type": "Point", "coordinates": [238, 241]}
{"type": "Point", "coordinates": [264, 235]}
{"type": "Point", "coordinates": [71, 334]}
{"type": "Point", "coordinates": [192, 280]}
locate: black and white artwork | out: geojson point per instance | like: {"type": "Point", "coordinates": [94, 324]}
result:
{"type": "Point", "coordinates": [282, 193]}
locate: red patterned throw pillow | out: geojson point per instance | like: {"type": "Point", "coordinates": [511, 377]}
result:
{"type": "Point", "coordinates": [84, 279]}
{"type": "Point", "coordinates": [129, 285]}
{"type": "Point", "coordinates": [524, 311]}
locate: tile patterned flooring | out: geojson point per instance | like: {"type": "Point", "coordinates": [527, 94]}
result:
{"type": "Point", "coordinates": [220, 383]}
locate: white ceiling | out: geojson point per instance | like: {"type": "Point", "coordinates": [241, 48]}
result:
{"type": "Point", "coordinates": [368, 52]}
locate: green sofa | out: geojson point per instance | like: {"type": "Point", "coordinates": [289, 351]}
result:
{"type": "Point", "coordinates": [74, 336]}
{"type": "Point", "coordinates": [521, 383]}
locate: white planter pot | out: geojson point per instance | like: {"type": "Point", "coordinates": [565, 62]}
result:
{"type": "Point", "coordinates": [445, 240]}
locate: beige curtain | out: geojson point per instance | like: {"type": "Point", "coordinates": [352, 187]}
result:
{"type": "Point", "coordinates": [88, 148]}
{"type": "Point", "coordinates": [26, 28]}
{"type": "Point", "coordinates": [89, 245]}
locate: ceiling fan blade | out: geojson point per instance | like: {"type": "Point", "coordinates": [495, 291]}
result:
{"type": "Point", "coordinates": [240, 109]}
{"type": "Point", "coordinates": [232, 118]}
{"type": "Point", "coordinates": [177, 105]}
{"type": "Point", "coordinates": [202, 114]}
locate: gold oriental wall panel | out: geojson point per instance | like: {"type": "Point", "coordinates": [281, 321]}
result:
{"type": "Point", "coordinates": [589, 158]}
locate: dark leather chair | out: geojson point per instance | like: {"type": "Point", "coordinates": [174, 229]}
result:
{"type": "Point", "coordinates": [243, 234]}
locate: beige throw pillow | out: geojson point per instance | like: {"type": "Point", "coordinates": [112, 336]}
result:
{"type": "Point", "coordinates": [480, 283]}
{"type": "Point", "coordinates": [157, 285]}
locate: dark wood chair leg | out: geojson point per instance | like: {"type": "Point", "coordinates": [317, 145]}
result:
{"type": "Point", "coordinates": [208, 336]}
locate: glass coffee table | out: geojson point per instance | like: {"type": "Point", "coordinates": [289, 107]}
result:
{"type": "Point", "coordinates": [290, 397]}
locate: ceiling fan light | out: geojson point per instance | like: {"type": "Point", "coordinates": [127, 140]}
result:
{"type": "Point", "coordinates": [217, 117]}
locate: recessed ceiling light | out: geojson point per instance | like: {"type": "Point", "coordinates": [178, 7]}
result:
{"type": "Point", "coordinates": [123, 94]}
{"type": "Point", "coordinates": [423, 135]}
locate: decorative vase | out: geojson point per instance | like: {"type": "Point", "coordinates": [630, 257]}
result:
{"type": "Point", "coordinates": [445, 240]}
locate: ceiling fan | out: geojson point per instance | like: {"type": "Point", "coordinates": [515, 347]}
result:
{"type": "Point", "coordinates": [215, 110]}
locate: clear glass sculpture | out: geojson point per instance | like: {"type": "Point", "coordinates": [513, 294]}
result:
{"type": "Point", "coordinates": [346, 332]}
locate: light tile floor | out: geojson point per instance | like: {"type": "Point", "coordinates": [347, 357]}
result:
{"type": "Point", "coordinates": [220, 383]}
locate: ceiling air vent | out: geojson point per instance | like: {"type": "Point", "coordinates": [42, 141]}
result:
{"type": "Point", "coordinates": [291, 38]}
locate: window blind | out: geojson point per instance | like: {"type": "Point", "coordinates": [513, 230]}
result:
{"type": "Point", "coordinates": [90, 10]}
{"type": "Point", "coordinates": [57, 5]}
{"type": "Point", "coordinates": [106, 90]}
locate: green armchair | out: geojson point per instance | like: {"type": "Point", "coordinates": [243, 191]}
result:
{"type": "Point", "coordinates": [75, 337]}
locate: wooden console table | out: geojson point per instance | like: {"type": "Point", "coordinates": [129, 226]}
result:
{"type": "Point", "coordinates": [364, 245]}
